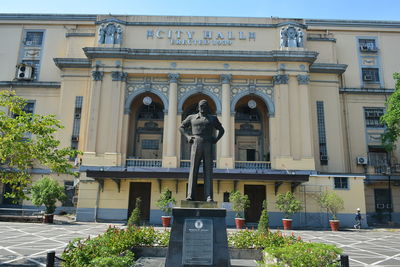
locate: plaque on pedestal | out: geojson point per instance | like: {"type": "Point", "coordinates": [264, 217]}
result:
{"type": "Point", "coordinates": [198, 238]}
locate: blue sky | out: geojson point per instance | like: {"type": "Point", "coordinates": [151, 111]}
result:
{"type": "Point", "coordinates": [319, 9]}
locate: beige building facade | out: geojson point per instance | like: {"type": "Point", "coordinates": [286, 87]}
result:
{"type": "Point", "coordinates": [299, 99]}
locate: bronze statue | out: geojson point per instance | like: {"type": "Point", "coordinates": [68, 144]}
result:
{"type": "Point", "coordinates": [202, 139]}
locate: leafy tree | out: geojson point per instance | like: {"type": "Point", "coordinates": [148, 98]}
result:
{"type": "Point", "coordinates": [46, 192]}
{"type": "Point", "coordinates": [27, 140]}
{"type": "Point", "coordinates": [392, 117]}
{"type": "Point", "coordinates": [166, 201]}
{"type": "Point", "coordinates": [332, 202]}
{"type": "Point", "coordinates": [288, 204]}
{"type": "Point", "coordinates": [239, 203]}
{"type": "Point", "coordinates": [263, 224]}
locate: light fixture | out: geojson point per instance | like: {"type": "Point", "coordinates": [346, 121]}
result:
{"type": "Point", "coordinates": [147, 100]}
{"type": "Point", "coordinates": [252, 104]}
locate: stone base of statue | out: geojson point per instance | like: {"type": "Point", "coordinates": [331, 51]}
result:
{"type": "Point", "coordinates": [198, 237]}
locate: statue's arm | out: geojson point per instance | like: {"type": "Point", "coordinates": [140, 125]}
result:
{"type": "Point", "coordinates": [220, 129]}
{"type": "Point", "coordinates": [182, 128]}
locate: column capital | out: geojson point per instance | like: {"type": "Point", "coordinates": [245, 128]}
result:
{"type": "Point", "coordinates": [173, 77]}
{"type": "Point", "coordinates": [226, 78]}
{"type": "Point", "coordinates": [281, 79]}
{"type": "Point", "coordinates": [119, 76]}
{"type": "Point", "coordinates": [303, 79]}
{"type": "Point", "coordinates": [97, 75]}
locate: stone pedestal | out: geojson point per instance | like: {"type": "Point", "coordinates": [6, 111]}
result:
{"type": "Point", "coordinates": [198, 238]}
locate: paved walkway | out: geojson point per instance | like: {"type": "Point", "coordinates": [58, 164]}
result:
{"type": "Point", "coordinates": [26, 244]}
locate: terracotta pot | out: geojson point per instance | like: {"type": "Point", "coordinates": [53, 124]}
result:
{"type": "Point", "coordinates": [287, 224]}
{"type": "Point", "coordinates": [166, 221]}
{"type": "Point", "coordinates": [239, 223]}
{"type": "Point", "coordinates": [334, 225]}
{"type": "Point", "coordinates": [48, 218]}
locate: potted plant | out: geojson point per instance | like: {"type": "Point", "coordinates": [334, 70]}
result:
{"type": "Point", "coordinates": [47, 191]}
{"type": "Point", "coordinates": [333, 203]}
{"type": "Point", "coordinates": [289, 205]}
{"type": "Point", "coordinates": [165, 203]}
{"type": "Point", "coordinates": [239, 204]}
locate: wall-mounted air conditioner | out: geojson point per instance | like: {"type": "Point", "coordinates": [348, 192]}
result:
{"type": "Point", "coordinates": [24, 72]}
{"type": "Point", "coordinates": [362, 160]}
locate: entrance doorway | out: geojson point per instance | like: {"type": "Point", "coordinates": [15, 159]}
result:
{"type": "Point", "coordinates": [256, 195]}
{"type": "Point", "coordinates": [142, 190]}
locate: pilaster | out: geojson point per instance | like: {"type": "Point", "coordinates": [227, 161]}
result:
{"type": "Point", "coordinates": [226, 157]}
{"type": "Point", "coordinates": [170, 156]}
{"type": "Point", "coordinates": [305, 113]}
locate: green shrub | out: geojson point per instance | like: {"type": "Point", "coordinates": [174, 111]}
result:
{"type": "Point", "coordinates": [166, 201]}
{"type": "Point", "coordinates": [134, 219]}
{"type": "Point", "coordinates": [305, 254]}
{"type": "Point", "coordinates": [263, 224]}
{"type": "Point", "coordinates": [288, 204]}
{"type": "Point", "coordinates": [239, 203]}
{"type": "Point", "coordinates": [47, 191]}
{"type": "Point", "coordinates": [258, 239]}
{"type": "Point", "coordinates": [332, 202]}
{"type": "Point", "coordinates": [113, 247]}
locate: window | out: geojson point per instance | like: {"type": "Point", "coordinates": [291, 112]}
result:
{"type": "Point", "coordinates": [33, 38]}
{"type": "Point", "coordinates": [341, 183]}
{"type": "Point", "coordinates": [370, 74]}
{"type": "Point", "coordinates": [150, 144]}
{"type": "Point", "coordinates": [378, 157]}
{"type": "Point", "coordinates": [367, 45]}
{"type": "Point", "coordinates": [226, 196]}
{"type": "Point", "coordinates": [323, 151]}
{"type": "Point", "coordinates": [77, 122]}
{"type": "Point", "coordinates": [373, 117]}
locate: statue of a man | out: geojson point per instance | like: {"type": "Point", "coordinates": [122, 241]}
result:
{"type": "Point", "coordinates": [202, 139]}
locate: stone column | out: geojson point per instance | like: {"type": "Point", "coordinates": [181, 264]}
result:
{"type": "Point", "coordinates": [305, 117]}
{"type": "Point", "coordinates": [93, 112]}
{"type": "Point", "coordinates": [226, 160]}
{"type": "Point", "coordinates": [170, 157]}
{"type": "Point", "coordinates": [282, 114]}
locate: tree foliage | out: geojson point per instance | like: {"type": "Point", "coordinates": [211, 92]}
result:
{"type": "Point", "coordinates": [391, 118]}
{"type": "Point", "coordinates": [166, 202]}
{"type": "Point", "coordinates": [288, 204]}
{"type": "Point", "coordinates": [27, 140]}
{"type": "Point", "coordinates": [47, 191]}
{"type": "Point", "coordinates": [263, 224]}
{"type": "Point", "coordinates": [134, 219]}
{"type": "Point", "coordinates": [239, 203]}
{"type": "Point", "coordinates": [332, 202]}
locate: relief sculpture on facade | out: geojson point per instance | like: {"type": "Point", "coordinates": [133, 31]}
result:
{"type": "Point", "coordinates": [110, 34]}
{"type": "Point", "coordinates": [291, 37]}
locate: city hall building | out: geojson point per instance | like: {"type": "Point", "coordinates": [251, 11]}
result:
{"type": "Point", "coordinates": [299, 99]}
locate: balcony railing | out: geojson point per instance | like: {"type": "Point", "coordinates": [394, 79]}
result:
{"type": "Point", "coordinates": [149, 163]}
{"type": "Point", "coordinates": [185, 163]}
{"type": "Point", "coordinates": [253, 165]}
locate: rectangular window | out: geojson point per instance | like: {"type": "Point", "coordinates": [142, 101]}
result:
{"type": "Point", "coordinates": [33, 38]}
{"type": "Point", "coordinates": [323, 151]}
{"type": "Point", "coordinates": [373, 117]}
{"type": "Point", "coordinates": [370, 74]}
{"type": "Point", "coordinates": [77, 122]}
{"type": "Point", "coordinates": [368, 45]}
{"type": "Point", "coordinates": [150, 144]}
{"type": "Point", "coordinates": [341, 182]}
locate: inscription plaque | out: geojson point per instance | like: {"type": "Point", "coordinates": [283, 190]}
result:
{"type": "Point", "coordinates": [197, 242]}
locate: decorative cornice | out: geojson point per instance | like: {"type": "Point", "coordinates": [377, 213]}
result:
{"type": "Point", "coordinates": [72, 63]}
{"type": "Point", "coordinates": [173, 77]}
{"type": "Point", "coordinates": [79, 34]}
{"type": "Point", "coordinates": [226, 78]}
{"type": "Point", "coordinates": [328, 68]}
{"type": "Point", "coordinates": [281, 79]}
{"type": "Point", "coordinates": [321, 39]}
{"type": "Point", "coordinates": [208, 55]}
{"type": "Point", "coordinates": [31, 84]}
{"type": "Point", "coordinates": [48, 17]}
{"type": "Point", "coordinates": [97, 75]}
{"type": "Point", "coordinates": [303, 79]}
{"type": "Point", "coordinates": [353, 23]}
{"type": "Point", "coordinates": [119, 75]}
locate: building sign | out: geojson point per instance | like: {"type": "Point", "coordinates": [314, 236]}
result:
{"type": "Point", "coordinates": [205, 37]}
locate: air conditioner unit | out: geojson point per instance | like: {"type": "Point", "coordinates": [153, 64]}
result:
{"type": "Point", "coordinates": [24, 72]}
{"type": "Point", "coordinates": [362, 160]}
{"type": "Point", "coordinates": [367, 77]}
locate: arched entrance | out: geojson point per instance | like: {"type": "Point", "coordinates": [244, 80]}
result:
{"type": "Point", "coordinates": [252, 141]}
{"type": "Point", "coordinates": [146, 125]}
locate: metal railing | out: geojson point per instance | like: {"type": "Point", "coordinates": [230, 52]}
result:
{"type": "Point", "coordinates": [253, 165]}
{"type": "Point", "coordinates": [185, 163]}
{"type": "Point", "coordinates": [149, 163]}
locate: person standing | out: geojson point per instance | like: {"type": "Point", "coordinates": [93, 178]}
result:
{"type": "Point", "coordinates": [203, 125]}
{"type": "Point", "coordinates": [358, 219]}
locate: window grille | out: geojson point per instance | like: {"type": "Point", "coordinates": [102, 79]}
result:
{"type": "Point", "coordinates": [77, 122]}
{"type": "Point", "coordinates": [341, 182]}
{"type": "Point", "coordinates": [323, 151]}
{"type": "Point", "coordinates": [150, 144]}
{"type": "Point", "coordinates": [368, 45]}
{"type": "Point", "coordinates": [370, 74]}
{"type": "Point", "coordinates": [373, 117]}
{"type": "Point", "coordinates": [33, 39]}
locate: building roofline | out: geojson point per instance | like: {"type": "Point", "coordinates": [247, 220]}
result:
{"type": "Point", "coordinates": [48, 17]}
{"type": "Point", "coordinates": [353, 23]}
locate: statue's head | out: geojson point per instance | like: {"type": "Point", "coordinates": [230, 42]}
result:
{"type": "Point", "coordinates": [203, 107]}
